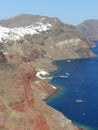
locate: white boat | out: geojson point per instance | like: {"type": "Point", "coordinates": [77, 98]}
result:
{"type": "Point", "coordinates": [68, 60]}
{"type": "Point", "coordinates": [67, 73]}
{"type": "Point", "coordinates": [63, 76]}
{"type": "Point", "coordinates": [79, 101]}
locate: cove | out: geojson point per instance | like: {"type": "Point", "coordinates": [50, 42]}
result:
{"type": "Point", "coordinates": [77, 79]}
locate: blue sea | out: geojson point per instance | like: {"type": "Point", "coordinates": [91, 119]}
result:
{"type": "Point", "coordinates": [77, 80]}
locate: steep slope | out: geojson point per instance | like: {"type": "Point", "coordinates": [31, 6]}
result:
{"type": "Point", "coordinates": [54, 39]}
{"type": "Point", "coordinates": [21, 107]}
{"type": "Point", "coordinates": [89, 29]}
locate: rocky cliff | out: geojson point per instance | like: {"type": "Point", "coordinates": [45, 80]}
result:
{"type": "Point", "coordinates": [21, 99]}
{"type": "Point", "coordinates": [29, 43]}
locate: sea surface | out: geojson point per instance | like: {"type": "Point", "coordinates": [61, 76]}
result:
{"type": "Point", "coordinates": [77, 80]}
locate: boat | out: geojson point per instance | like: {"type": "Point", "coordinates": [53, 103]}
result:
{"type": "Point", "coordinates": [63, 76]}
{"type": "Point", "coordinates": [68, 60]}
{"type": "Point", "coordinates": [67, 73]}
{"type": "Point", "coordinates": [79, 101]}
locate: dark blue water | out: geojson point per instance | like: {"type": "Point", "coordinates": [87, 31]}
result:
{"type": "Point", "coordinates": [77, 79]}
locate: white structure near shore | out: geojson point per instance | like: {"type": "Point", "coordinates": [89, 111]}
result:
{"type": "Point", "coordinates": [42, 74]}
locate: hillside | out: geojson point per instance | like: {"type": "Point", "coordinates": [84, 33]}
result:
{"type": "Point", "coordinates": [89, 29]}
{"type": "Point", "coordinates": [56, 39]}
{"type": "Point", "coordinates": [26, 20]}
{"type": "Point", "coordinates": [28, 45]}
{"type": "Point", "coordinates": [21, 99]}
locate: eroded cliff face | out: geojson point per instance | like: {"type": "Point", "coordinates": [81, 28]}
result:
{"type": "Point", "coordinates": [21, 100]}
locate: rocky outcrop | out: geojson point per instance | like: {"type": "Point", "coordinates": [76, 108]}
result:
{"type": "Point", "coordinates": [2, 58]}
{"type": "Point", "coordinates": [26, 100]}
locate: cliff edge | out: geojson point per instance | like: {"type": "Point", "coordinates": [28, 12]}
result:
{"type": "Point", "coordinates": [21, 104]}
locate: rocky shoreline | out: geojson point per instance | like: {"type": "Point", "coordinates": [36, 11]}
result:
{"type": "Point", "coordinates": [22, 96]}
{"type": "Point", "coordinates": [42, 74]}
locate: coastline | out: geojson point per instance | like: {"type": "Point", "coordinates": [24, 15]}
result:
{"type": "Point", "coordinates": [57, 90]}
{"type": "Point", "coordinates": [58, 69]}
{"type": "Point", "coordinates": [53, 94]}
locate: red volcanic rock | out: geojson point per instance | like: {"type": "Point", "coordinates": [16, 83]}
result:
{"type": "Point", "coordinates": [27, 99]}
{"type": "Point", "coordinates": [21, 101]}
{"type": "Point", "coordinates": [40, 123]}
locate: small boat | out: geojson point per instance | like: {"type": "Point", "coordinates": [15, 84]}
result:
{"type": "Point", "coordinates": [68, 60]}
{"type": "Point", "coordinates": [67, 73]}
{"type": "Point", "coordinates": [79, 101]}
{"type": "Point", "coordinates": [63, 76]}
